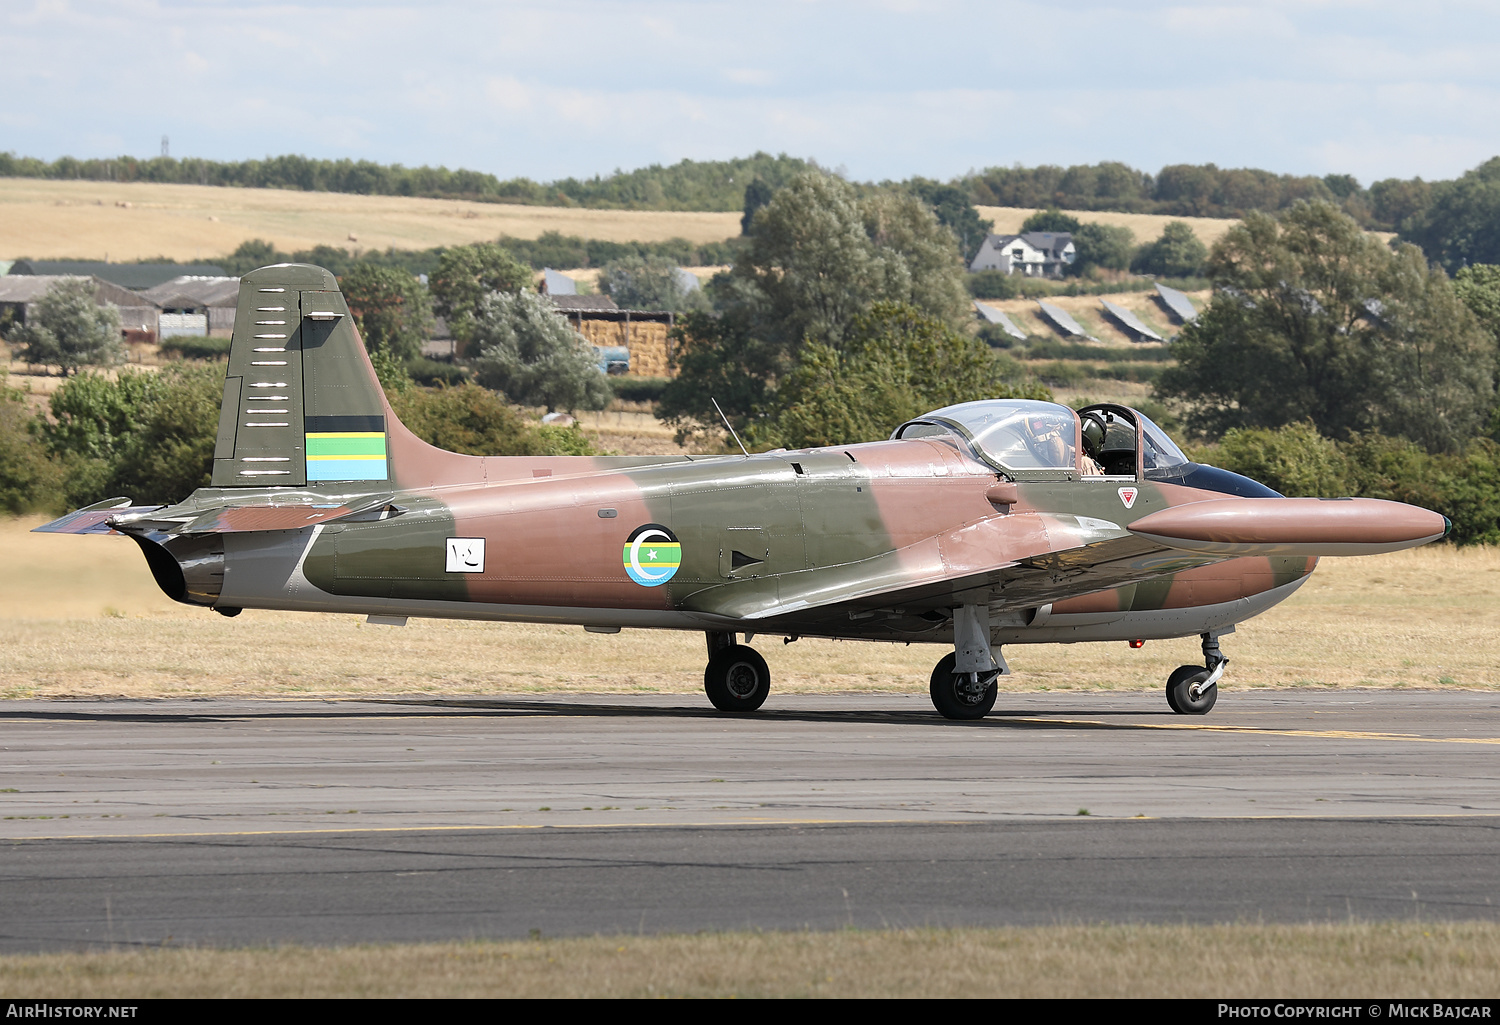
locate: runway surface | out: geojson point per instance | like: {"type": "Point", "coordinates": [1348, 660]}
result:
{"type": "Point", "coordinates": [235, 822]}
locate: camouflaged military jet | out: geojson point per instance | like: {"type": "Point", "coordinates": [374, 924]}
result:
{"type": "Point", "coordinates": [975, 526]}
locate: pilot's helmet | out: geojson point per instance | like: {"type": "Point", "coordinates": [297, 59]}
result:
{"type": "Point", "coordinates": [1093, 434]}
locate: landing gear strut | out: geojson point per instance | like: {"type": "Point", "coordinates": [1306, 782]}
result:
{"type": "Point", "coordinates": [1192, 690]}
{"type": "Point", "coordinates": [963, 683]}
{"type": "Point", "coordinates": [736, 678]}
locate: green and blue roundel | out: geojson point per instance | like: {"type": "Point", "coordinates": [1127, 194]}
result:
{"type": "Point", "coordinates": [652, 555]}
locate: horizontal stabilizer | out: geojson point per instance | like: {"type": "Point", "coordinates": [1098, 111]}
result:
{"type": "Point", "coordinates": [1292, 526]}
{"type": "Point", "coordinates": [93, 519]}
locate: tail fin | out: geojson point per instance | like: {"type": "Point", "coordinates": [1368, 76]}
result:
{"type": "Point", "coordinates": [302, 404]}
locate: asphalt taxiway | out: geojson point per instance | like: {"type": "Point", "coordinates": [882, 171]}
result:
{"type": "Point", "coordinates": [265, 821]}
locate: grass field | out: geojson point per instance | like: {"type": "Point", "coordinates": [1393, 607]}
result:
{"type": "Point", "coordinates": [57, 219]}
{"type": "Point", "coordinates": [80, 616]}
{"type": "Point", "coordinates": [1146, 227]}
{"type": "Point", "coordinates": [45, 219]}
{"type": "Point", "coordinates": [1394, 960]}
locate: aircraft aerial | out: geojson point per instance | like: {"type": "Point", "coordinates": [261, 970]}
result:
{"type": "Point", "coordinates": [975, 526]}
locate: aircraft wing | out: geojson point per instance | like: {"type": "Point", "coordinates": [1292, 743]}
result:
{"type": "Point", "coordinates": [1027, 560]}
{"type": "Point", "coordinates": [1016, 561]}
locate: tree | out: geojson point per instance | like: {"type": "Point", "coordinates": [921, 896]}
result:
{"type": "Point", "coordinates": [466, 274]}
{"type": "Point", "coordinates": [1104, 246]}
{"type": "Point", "coordinates": [1315, 320]}
{"type": "Point", "coordinates": [173, 452]}
{"type": "Point", "coordinates": [530, 354]}
{"type": "Point", "coordinates": [28, 478]}
{"type": "Point", "coordinates": [956, 212]}
{"type": "Point", "coordinates": [1051, 219]}
{"type": "Point", "coordinates": [69, 329]}
{"type": "Point", "coordinates": [896, 363]}
{"type": "Point", "coordinates": [1460, 224]}
{"type": "Point", "coordinates": [823, 253]}
{"type": "Point", "coordinates": [149, 436]}
{"type": "Point", "coordinates": [1178, 253]}
{"type": "Point", "coordinates": [649, 283]}
{"type": "Point", "coordinates": [1479, 289]}
{"type": "Point", "coordinates": [391, 309]}
{"type": "Point", "coordinates": [757, 194]}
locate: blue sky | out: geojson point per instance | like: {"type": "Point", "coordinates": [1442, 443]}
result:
{"type": "Point", "coordinates": [880, 89]}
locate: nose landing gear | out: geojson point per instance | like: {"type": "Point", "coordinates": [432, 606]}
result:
{"type": "Point", "coordinates": [1192, 690]}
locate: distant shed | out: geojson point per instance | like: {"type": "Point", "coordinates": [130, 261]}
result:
{"type": "Point", "coordinates": [19, 294]}
{"type": "Point", "coordinates": [196, 305]}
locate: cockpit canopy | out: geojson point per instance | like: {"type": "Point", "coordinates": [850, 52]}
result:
{"type": "Point", "coordinates": [1040, 440]}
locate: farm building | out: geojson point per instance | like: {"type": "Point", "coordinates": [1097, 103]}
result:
{"type": "Point", "coordinates": [134, 276]}
{"type": "Point", "coordinates": [196, 305]}
{"type": "Point", "coordinates": [1041, 254]}
{"type": "Point", "coordinates": [138, 315]}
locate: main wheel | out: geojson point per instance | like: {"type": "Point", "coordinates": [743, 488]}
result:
{"type": "Point", "coordinates": [737, 679]}
{"type": "Point", "coordinates": [1180, 691]}
{"type": "Point", "coordinates": [955, 697]}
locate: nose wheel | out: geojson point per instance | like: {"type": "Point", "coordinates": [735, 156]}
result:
{"type": "Point", "coordinates": [962, 695]}
{"type": "Point", "coordinates": [1192, 690]}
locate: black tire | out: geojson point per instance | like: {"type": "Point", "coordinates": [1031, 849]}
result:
{"type": "Point", "coordinates": [737, 679]}
{"type": "Point", "coordinates": [950, 694]}
{"type": "Point", "coordinates": [1179, 694]}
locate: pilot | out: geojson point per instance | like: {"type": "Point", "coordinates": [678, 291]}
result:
{"type": "Point", "coordinates": [1044, 436]}
{"type": "Point", "coordinates": [1094, 433]}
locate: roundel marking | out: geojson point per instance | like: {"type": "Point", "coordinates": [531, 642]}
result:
{"type": "Point", "coordinates": [652, 555]}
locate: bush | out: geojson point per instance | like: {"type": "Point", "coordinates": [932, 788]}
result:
{"type": "Point", "coordinates": [476, 421]}
{"type": "Point", "coordinates": [29, 480]}
{"type": "Point", "coordinates": [435, 372]}
{"type": "Point", "coordinates": [196, 347]}
{"type": "Point", "coordinates": [638, 389]}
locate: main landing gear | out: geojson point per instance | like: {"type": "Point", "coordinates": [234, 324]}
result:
{"type": "Point", "coordinates": [1192, 690]}
{"type": "Point", "coordinates": [963, 684]}
{"type": "Point", "coordinates": [736, 678]}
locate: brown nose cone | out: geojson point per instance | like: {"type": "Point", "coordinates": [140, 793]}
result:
{"type": "Point", "coordinates": [1311, 526]}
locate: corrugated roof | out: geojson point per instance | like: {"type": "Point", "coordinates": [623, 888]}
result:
{"type": "Point", "coordinates": [569, 303]}
{"type": "Point", "coordinates": [1130, 321]}
{"type": "Point", "coordinates": [28, 288]}
{"type": "Point", "coordinates": [1063, 320]}
{"type": "Point", "coordinates": [201, 290]}
{"type": "Point", "coordinates": [1178, 303]}
{"type": "Point", "coordinates": [135, 276]}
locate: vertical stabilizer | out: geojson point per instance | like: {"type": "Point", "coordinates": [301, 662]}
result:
{"type": "Point", "coordinates": [302, 404]}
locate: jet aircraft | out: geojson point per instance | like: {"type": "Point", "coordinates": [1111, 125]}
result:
{"type": "Point", "coordinates": [975, 526]}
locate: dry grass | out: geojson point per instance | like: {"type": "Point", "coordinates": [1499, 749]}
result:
{"type": "Point", "coordinates": [55, 219]}
{"type": "Point", "coordinates": [1408, 960]}
{"type": "Point", "coordinates": [1147, 227]}
{"type": "Point", "coordinates": [80, 616]}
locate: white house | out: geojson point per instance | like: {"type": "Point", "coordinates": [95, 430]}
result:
{"type": "Point", "coordinates": [1041, 254]}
